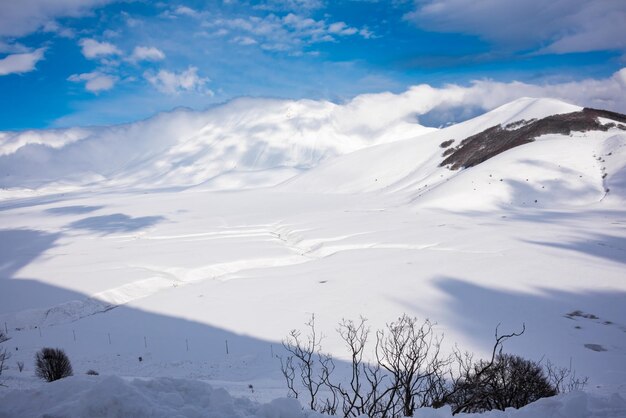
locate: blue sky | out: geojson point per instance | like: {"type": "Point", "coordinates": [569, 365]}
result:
{"type": "Point", "coordinates": [86, 62]}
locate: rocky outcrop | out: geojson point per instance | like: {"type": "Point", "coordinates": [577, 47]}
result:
{"type": "Point", "coordinates": [477, 148]}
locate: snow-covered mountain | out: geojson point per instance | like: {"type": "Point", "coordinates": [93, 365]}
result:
{"type": "Point", "coordinates": [258, 143]}
{"type": "Point", "coordinates": [172, 238]}
{"type": "Point", "coordinates": [578, 168]}
{"type": "Point", "coordinates": [244, 143]}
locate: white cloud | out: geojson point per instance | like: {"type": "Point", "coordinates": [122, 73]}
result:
{"type": "Point", "coordinates": [290, 33]}
{"type": "Point", "coordinates": [380, 110]}
{"type": "Point", "coordinates": [186, 11]}
{"type": "Point", "coordinates": [93, 49]}
{"type": "Point", "coordinates": [130, 21]}
{"type": "Point", "coordinates": [12, 48]}
{"type": "Point", "coordinates": [174, 83]}
{"type": "Point", "coordinates": [21, 63]}
{"type": "Point", "coordinates": [294, 5]}
{"type": "Point", "coordinates": [145, 53]}
{"type": "Point", "coordinates": [21, 17]}
{"type": "Point", "coordinates": [95, 82]}
{"type": "Point", "coordinates": [54, 27]}
{"type": "Point", "coordinates": [244, 40]}
{"type": "Point", "coordinates": [182, 11]}
{"type": "Point", "coordinates": [559, 26]}
{"type": "Point", "coordinates": [341, 28]}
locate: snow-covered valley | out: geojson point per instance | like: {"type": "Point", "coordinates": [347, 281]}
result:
{"type": "Point", "coordinates": [196, 241]}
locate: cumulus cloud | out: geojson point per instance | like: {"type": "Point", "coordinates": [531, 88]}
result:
{"type": "Point", "coordinates": [175, 83]}
{"type": "Point", "coordinates": [558, 26]}
{"type": "Point", "coordinates": [95, 82]}
{"type": "Point", "coordinates": [380, 110]}
{"type": "Point", "coordinates": [21, 17]}
{"type": "Point", "coordinates": [341, 28]}
{"type": "Point", "coordinates": [93, 49]}
{"type": "Point", "coordinates": [145, 53]}
{"type": "Point", "coordinates": [21, 63]}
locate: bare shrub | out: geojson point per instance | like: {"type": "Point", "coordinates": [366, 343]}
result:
{"type": "Point", "coordinates": [410, 372]}
{"type": "Point", "coordinates": [411, 355]}
{"type": "Point", "coordinates": [313, 367]}
{"type": "Point", "coordinates": [4, 357]}
{"type": "Point", "coordinates": [20, 366]}
{"type": "Point", "coordinates": [52, 364]}
{"type": "Point", "coordinates": [511, 381]}
{"type": "Point", "coordinates": [92, 372]}
{"type": "Point", "coordinates": [366, 392]}
{"type": "Point", "coordinates": [564, 379]}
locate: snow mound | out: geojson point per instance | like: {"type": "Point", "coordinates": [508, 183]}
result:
{"type": "Point", "coordinates": [569, 405]}
{"type": "Point", "coordinates": [96, 396]}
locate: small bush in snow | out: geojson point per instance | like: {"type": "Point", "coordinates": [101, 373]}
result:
{"type": "Point", "coordinates": [20, 366]}
{"type": "Point", "coordinates": [52, 364]}
{"type": "Point", "coordinates": [4, 356]}
{"type": "Point", "coordinates": [511, 381]}
{"type": "Point", "coordinates": [92, 372]}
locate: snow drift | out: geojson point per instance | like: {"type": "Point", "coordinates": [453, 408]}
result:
{"type": "Point", "coordinates": [96, 397]}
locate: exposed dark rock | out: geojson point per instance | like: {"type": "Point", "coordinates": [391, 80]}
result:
{"type": "Point", "coordinates": [446, 144]}
{"type": "Point", "coordinates": [448, 152]}
{"type": "Point", "coordinates": [477, 148]}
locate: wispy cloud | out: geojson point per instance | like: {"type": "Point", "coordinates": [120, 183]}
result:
{"type": "Point", "coordinates": [289, 33]}
{"type": "Point", "coordinates": [12, 47]}
{"type": "Point", "coordinates": [290, 5]}
{"type": "Point", "coordinates": [20, 18]}
{"type": "Point", "coordinates": [21, 63]}
{"type": "Point", "coordinates": [175, 83]}
{"type": "Point", "coordinates": [182, 11]}
{"type": "Point", "coordinates": [557, 26]}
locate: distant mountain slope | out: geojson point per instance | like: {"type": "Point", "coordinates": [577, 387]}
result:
{"type": "Point", "coordinates": [241, 144]}
{"type": "Point", "coordinates": [557, 169]}
{"type": "Point", "coordinates": [319, 146]}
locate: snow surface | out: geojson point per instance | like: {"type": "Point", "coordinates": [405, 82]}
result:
{"type": "Point", "coordinates": [179, 236]}
{"type": "Point", "coordinates": [96, 396]}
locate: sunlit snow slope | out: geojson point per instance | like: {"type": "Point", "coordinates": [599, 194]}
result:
{"type": "Point", "coordinates": [139, 240]}
{"type": "Point", "coordinates": [244, 143]}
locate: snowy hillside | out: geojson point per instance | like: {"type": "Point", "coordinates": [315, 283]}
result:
{"type": "Point", "coordinates": [550, 172]}
{"type": "Point", "coordinates": [244, 143]}
{"type": "Point", "coordinates": [188, 245]}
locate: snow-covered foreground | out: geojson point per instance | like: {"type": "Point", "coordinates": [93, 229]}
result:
{"type": "Point", "coordinates": [204, 283]}
{"type": "Point", "coordinates": [166, 397]}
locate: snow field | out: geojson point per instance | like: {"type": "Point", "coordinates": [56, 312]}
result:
{"type": "Point", "coordinates": [166, 256]}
